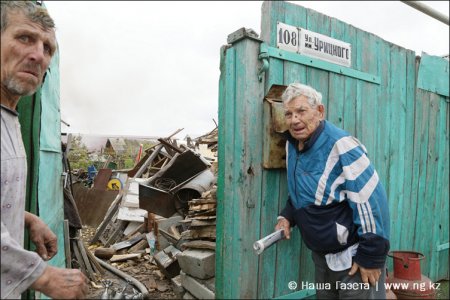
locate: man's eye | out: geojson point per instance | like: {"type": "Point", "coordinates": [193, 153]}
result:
{"type": "Point", "coordinates": [24, 38]}
{"type": "Point", "coordinates": [287, 114]}
{"type": "Point", "coordinates": [47, 49]}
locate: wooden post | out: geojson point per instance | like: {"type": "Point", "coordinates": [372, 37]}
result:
{"type": "Point", "coordinates": [67, 244]}
{"type": "Point", "coordinates": [240, 158]}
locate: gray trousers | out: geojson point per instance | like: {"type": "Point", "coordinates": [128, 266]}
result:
{"type": "Point", "coordinates": [339, 285]}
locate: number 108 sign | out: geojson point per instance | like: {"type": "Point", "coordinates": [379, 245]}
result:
{"type": "Point", "coordinates": [313, 44]}
{"type": "Point", "coordinates": [287, 37]}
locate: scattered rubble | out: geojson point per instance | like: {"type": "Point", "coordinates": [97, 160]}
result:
{"type": "Point", "coordinates": [161, 227]}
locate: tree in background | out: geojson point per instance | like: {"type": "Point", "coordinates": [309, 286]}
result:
{"type": "Point", "coordinates": [131, 151]}
{"type": "Point", "coordinates": [78, 154]}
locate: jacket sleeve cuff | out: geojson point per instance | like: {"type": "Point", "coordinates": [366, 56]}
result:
{"type": "Point", "coordinates": [288, 213]}
{"type": "Point", "coordinates": [372, 251]}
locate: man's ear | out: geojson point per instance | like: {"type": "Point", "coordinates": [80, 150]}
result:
{"type": "Point", "coordinates": [321, 109]}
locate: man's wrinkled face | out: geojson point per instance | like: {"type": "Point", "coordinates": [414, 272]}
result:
{"type": "Point", "coordinates": [26, 51]}
{"type": "Point", "coordinates": [301, 118]}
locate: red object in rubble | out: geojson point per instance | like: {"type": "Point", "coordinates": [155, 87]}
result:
{"type": "Point", "coordinates": [138, 157]}
{"type": "Point", "coordinates": [408, 282]}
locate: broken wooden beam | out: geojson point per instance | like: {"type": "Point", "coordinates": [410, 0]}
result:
{"type": "Point", "coordinates": [104, 253]}
{"type": "Point", "coordinates": [122, 257]}
{"type": "Point", "coordinates": [199, 244]}
{"type": "Point", "coordinates": [142, 244]}
{"type": "Point", "coordinates": [67, 245]}
{"type": "Point", "coordinates": [113, 208]}
{"type": "Point", "coordinates": [201, 232]}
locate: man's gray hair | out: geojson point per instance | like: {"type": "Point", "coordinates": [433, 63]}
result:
{"type": "Point", "coordinates": [36, 13]}
{"type": "Point", "coordinates": [296, 89]}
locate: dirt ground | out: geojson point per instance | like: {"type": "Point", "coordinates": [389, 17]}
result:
{"type": "Point", "coordinates": [144, 270]}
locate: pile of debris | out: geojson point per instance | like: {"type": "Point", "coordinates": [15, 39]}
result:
{"type": "Point", "coordinates": [165, 219]}
{"type": "Point", "coordinates": [189, 260]}
{"type": "Point", "coordinates": [210, 140]}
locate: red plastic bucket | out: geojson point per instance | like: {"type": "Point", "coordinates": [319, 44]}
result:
{"type": "Point", "coordinates": [407, 264]}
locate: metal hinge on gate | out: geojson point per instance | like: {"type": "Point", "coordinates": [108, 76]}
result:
{"type": "Point", "coordinates": [264, 57]}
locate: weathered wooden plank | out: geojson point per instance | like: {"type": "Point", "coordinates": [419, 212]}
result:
{"type": "Point", "coordinates": [441, 161]}
{"type": "Point", "coordinates": [288, 266]}
{"type": "Point", "coordinates": [420, 153]}
{"type": "Point", "coordinates": [122, 257]}
{"type": "Point", "coordinates": [269, 209]}
{"type": "Point", "coordinates": [67, 245]}
{"type": "Point", "coordinates": [230, 272]}
{"type": "Point", "coordinates": [200, 218]}
{"type": "Point", "coordinates": [409, 207]}
{"type": "Point", "coordinates": [147, 163]}
{"type": "Point", "coordinates": [80, 260]}
{"type": "Point", "coordinates": [116, 232]}
{"type": "Point", "coordinates": [200, 207]}
{"type": "Point", "coordinates": [196, 223]}
{"type": "Point", "coordinates": [318, 79]}
{"type": "Point", "coordinates": [272, 12]}
{"type": "Point", "coordinates": [85, 258]}
{"type": "Point", "coordinates": [443, 262]}
{"type": "Point", "coordinates": [270, 199]}
{"type": "Point", "coordinates": [199, 244]}
{"type": "Point", "coordinates": [319, 64]}
{"type": "Point", "coordinates": [350, 95]}
{"type": "Point", "coordinates": [112, 210]}
{"type": "Point", "coordinates": [200, 232]}
{"type": "Point", "coordinates": [219, 283]}
{"type": "Point", "coordinates": [419, 114]}
{"type": "Point", "coordinates": [425, 224]}
{"type": "Point", "coordinates": [248, 165]}
{"type": "Point", "coordinates": [396, 140]}
{"type": "Point", "coordinates": [383, 117]}
{"type": "Point", "coordinates": [224, 210]}
{"type": "Point", "coordinates": [369, 98]}
{"type": "Point", "coordinates": [335, 109]}
{"type": "Point", "coordinates": [433, 75]}
{"type": "Point", "coordinates": [95, 263]}
{"type": "Point", "coordinates": [359, 85]}
{"type": "Point", "coordinates": [202, 201]}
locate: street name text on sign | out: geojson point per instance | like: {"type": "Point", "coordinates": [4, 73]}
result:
{"type": "Point", "coordinates": [313, 44]}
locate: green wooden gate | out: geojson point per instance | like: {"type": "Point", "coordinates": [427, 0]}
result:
{"type": "Point", "coordinates": [395, 103]}
{"type": "Point", "coordinates": [39, 116]}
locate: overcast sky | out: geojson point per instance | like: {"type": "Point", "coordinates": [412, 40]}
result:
{"type": "Point", "coordinates": [149, 68]}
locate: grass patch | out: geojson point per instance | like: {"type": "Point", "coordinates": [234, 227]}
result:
{"type": "Point", "coordinates": [442, 292]}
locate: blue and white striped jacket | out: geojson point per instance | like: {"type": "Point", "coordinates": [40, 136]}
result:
{"type": "Point", "coordinates": [335, 196]}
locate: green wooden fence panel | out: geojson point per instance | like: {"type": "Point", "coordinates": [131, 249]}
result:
{"type": "Point", "coordinates": [442, 237]}
{"type": "Point", "coordinates": [243, 168]}
{"type": "Point", "coordinates": [336, 94]}
{"type": "Point", "coordinates": [224, 267]}
{"type": "Point", "coordinates": [409, 203]}
{"type": "Point", "coordinates": [433, 75]}
{"type": "Point", "coordinates": [50, 190]}
{"type": "Point", "coordinates": [220, 243]}
{"type": "Point", "coordinates": [404, 128]}
{"type": "Point", "coordinates": [270, 204]}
